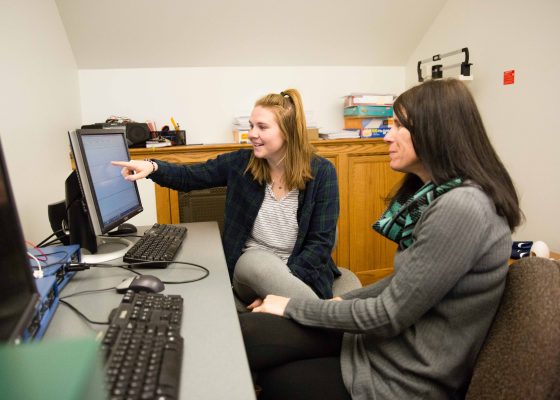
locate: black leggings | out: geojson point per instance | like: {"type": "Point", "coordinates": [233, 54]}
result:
{"type": "Point", "coordinates": [291, 361]}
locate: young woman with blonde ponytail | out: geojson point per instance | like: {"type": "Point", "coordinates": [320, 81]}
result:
{"type": "Point", "coordinates": [281, 209]}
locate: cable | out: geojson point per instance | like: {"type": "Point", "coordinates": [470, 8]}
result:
{"type": "Point", "coordinates": [52, 242]}
{"type": "Point", "coordinates": [59, 261]}
{"type": "Point", "coordinates": [121, 236]}
{"type": "Point", "coordinates": [130, 267]}
{"type": "Point", "coordinates": [116, 266]}
{"type": "Point", "coordinates": [42, 242]}
{"type": "Point", "coordinates": [39, 250]}
{"type": "Point", "coordinates": [206, 274]}
{"type": "Point", "coordinates": [87, 291]}
{"type": "Point", "coordinates": [126, 267]}
{"type": "Point", "coordinates": [81, 315]}
{"type": "Point", "coordinates": [206, 271]}
{"type": "Point", "coordinates": [39, 272]}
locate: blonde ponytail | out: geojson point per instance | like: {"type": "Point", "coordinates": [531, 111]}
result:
{"type": "Point", "coordinates": [287, 108]}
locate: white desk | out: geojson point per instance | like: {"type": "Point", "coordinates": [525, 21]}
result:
{"type": "Point", "coordinates": [214, 360]}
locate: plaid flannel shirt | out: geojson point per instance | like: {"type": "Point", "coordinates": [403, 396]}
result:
{"type": "Point", "coordinates": [318, 209]}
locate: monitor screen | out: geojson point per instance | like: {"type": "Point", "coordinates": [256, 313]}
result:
{"type": "Point", "coordinates": [18, 293]}
{"type": "Point", "coordinates": [110, 199]}
{"type": "Point", "coordinates": [98, 199]}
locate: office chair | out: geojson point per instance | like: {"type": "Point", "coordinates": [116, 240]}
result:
{"type": "Point", "coordinates": [520, 358]}
{"type": "Point", "coordinates": [347, 281]}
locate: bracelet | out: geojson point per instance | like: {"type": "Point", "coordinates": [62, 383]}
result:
{"type": "Point", "coordinates": [154, 165]}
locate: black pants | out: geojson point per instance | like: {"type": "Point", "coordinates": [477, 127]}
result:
{"type": "Point", "coordinates": [291, 361]}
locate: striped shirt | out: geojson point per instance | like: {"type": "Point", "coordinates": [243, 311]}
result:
{"type": "Point", "coordinates": [276, 227]}
{"type": "Point", "coordinates": [317, 212]}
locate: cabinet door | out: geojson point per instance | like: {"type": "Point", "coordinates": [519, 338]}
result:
{"type": "Point", "coordinates": [334, 160]}
{"type": "Point", "coordinates": [370, 181]}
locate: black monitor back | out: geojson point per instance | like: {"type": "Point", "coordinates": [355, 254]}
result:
{"type": "Point", "coordinates": [18, 293]}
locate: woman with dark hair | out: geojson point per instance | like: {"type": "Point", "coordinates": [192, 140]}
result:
{"type": "Point", "coordinates": [416, 333]}
{"type": "Point", "coordinates": [281, 204]}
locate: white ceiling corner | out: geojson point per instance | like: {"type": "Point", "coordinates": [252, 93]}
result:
{"type": "Point", "coordinates": [195, 33]}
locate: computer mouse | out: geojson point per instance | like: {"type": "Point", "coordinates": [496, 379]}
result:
{"type": "Point", "coordinates": [125, 229]}
{"type": "Point", "coordinates": [141, 283]}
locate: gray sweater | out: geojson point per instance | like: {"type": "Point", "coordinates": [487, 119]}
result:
{"type": "Point", "coordinates": [416, 334]}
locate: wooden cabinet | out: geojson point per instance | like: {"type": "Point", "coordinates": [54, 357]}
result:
{"type": "Point", "coordinates": [365, 180]}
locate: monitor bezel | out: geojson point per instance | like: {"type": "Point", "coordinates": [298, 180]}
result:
{"type": "Point", "coordinates": [20, 252]}
{"type": "Point", "coordinates": [86, 184]}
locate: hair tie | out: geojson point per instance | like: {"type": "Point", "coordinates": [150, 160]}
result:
{"type": "Point", "coordinates": [282, 94]}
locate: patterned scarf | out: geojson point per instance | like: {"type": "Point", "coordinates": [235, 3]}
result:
{"type": "Point", "coordinates": [399, 220]}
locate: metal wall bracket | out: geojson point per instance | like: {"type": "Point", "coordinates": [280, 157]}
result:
{"type": "Point", "coordinates": [437, 69]}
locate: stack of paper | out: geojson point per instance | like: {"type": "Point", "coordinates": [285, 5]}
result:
{"type": "Point", "coordinates": [158, 143]}
{"type": "Point", "coordinates": [368, 99]}
{"type": "Point", "coordinates": [241, 122]}
{"type": "Point", "coordinates": [339, 133]}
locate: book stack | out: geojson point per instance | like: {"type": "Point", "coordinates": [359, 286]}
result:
{"type": "Point", "coordinates": [161, 142]}
{"type": "Point", "coordinates": [339, 133]}
{"type": "Point", "coordinates": [370, 113]}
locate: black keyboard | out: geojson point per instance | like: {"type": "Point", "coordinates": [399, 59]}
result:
{"type": "Point", "coordinates": [160, 243]}
{"type": "Point", "coordinates": [143, 348]}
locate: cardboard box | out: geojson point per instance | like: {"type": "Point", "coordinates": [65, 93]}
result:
{"type": "Point", "coordinates": [240, 136]}
{"type": "Point", "coordinates": [375, 132]}
{"type": "Point", "coordinates": [368, 111]}
{"type": "Point", "coordinates": [313, 133]}
{"type": "Point", "coordinates": [366, 123]}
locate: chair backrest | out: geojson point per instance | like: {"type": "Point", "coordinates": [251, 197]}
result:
{"type": "Point", "coordinates": [520, 358]}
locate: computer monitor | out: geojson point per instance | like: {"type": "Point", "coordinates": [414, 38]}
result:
{"type": "Point", "coordinates": [98, 199]}
{"type": "Point", "coordinates": [18, 293]}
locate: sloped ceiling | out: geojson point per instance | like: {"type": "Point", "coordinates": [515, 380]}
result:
{"type": "Point", "coordinates": [206, 33]}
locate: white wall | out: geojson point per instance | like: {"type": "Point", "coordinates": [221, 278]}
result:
{"type": "Point", "coordinates": [521, 119]}
{"type": "Point", "coordinates": [205, 100]}
{"type": "Point", "coordinates": [41, 98]}
{"type": "Point", "coordinates": [39, 102]}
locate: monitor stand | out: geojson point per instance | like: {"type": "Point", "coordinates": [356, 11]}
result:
{"type": "Point", "coordinates": [108, 249]}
